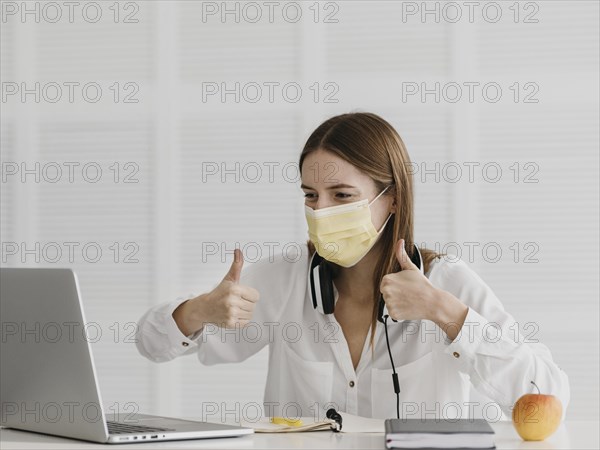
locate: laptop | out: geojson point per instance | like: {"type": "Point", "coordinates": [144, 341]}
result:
{"type": "Point", "coordinates": [47, 373]}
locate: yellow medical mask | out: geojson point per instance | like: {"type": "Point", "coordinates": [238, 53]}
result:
{"type": "Point", "coordinates": [343, 234]}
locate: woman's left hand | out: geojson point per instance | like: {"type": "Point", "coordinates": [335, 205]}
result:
{"type": "Point", "coordinates": [408, 294]}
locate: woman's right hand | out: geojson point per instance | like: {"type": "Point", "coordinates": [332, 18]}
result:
{"type": "Point", "coordinates": [226, 306]}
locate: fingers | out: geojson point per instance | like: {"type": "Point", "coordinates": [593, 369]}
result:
{"type": "Point", "coordinates": [246, 292]}
{"type": "Point", "coordinates": [240, 304]}
{"type": "Point", "coordinates": [250, 294]}
{"type": "Point", "coordinates": [238, 314]}
{"type": "Point", "coordinates": [244, 305]}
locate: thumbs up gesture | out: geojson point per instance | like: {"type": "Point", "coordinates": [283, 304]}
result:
{"type": "Point", "coordinates": [226, 306]}
{"type": "Point", "coordinates": [408, 294]}
{"type": "Point", "coordinates": [232, 303]}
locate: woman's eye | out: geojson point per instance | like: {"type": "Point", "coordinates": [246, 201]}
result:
{"type": "Point", "coordinates": [338, 195]}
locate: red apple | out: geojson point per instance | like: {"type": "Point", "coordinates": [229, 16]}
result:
{"type": "Point", "coordinates": [536, 416]}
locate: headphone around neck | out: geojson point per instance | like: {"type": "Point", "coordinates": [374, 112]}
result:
{"type": "Point", "coordinates": [322, 290]}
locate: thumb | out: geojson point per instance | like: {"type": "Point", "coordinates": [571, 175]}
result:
{"type": "Point", "coordinates": [403, 258]}
{"type": "Point", "coordinates": [236, 266]}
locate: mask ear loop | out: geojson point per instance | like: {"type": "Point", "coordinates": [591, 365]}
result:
{"type": "Point", "coordinates": [385, 223]}
{"type": "Point", "coordinates": [379, 195]}
{"type": "Point", "coordinates": [390, 215]}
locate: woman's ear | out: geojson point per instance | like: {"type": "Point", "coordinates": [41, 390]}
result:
{"type": "Point", "coordinates": [393, 206]}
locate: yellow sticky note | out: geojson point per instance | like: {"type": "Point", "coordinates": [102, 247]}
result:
{"type": "Point", "coordinates": [285, 421]}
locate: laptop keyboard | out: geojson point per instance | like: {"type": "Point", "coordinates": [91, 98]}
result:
{"type": "Point", "coordinates": [123, 428]}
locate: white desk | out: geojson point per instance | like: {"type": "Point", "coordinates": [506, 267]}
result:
{"type": "Point", "coordinates": [571, 434]}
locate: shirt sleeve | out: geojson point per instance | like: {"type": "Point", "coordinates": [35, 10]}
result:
{"type": "Point", "coordinates": [159, 339]}
{"type": "Point", "coordinates": [493, 351]}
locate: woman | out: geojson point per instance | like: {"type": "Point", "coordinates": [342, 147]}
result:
{"type": "Point", "coordinates": [452, 331]}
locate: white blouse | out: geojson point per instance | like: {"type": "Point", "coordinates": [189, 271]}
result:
{"type": "Point", "coordinates": [310, 368]}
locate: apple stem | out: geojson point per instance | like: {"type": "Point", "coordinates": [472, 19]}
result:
{"type": "Point", "coordinates": [536, 386]}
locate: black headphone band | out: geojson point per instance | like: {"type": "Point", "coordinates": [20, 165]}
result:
{"type": "Point", "coordinates": [321, 282]}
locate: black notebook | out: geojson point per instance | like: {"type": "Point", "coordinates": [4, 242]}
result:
{"type": "Point", "coordinates": [439, 433]}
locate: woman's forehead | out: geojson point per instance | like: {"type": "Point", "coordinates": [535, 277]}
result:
{"type": "Point", "coordinates": [323, 167]}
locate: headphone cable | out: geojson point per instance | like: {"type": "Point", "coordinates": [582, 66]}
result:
{"type": "Point", "coordinates": [394, 374]}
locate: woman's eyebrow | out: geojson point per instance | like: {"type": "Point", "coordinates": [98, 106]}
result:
{"type": "Point", "coordinates": [335, 186]}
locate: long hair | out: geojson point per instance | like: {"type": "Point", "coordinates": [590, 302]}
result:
{"type": "Point", "coordinates": [373, 146]}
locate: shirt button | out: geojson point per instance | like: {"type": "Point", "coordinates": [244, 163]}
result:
{"type": "Point", "coordinates": [456, 354]}
{"type": "Point", "coordinates": [351, 384]}
{"type": "Point", "coordinates": [185, 344]}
